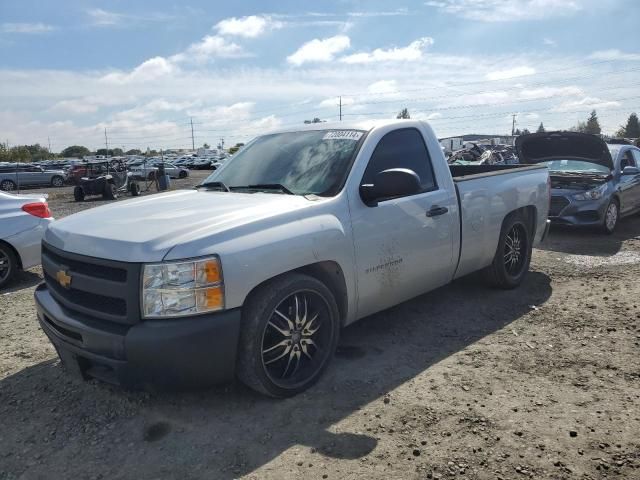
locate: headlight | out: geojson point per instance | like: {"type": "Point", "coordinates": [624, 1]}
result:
{"type": "Point", "coordinates": [595, 194]}
{"type": "Point", "coordinates": [176, 289]}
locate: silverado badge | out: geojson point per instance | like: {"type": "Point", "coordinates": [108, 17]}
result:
{"type": "Point", "coordinates": [63, 278]}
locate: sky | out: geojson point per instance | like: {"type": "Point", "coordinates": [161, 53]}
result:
{"type": "Point", "coordinates": [145, 71]}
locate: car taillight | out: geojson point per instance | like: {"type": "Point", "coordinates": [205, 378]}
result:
{"type": "Point", "coordinates": [38, 209]}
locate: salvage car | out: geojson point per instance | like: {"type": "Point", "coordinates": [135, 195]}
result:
{"type": "Point", "coordinates": [109, 179]}
{"type": "Point", "coordinates": [14, 176]}
{"type": "Point", "coordinates": [23, 220]}
{"type": "Point", "coordinates": [255, 272]}
{"type": "Point", "coordinates": [592, 184]}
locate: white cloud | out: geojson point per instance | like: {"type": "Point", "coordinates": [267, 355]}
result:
{"type": "Point", "coordinates": [614, 54]}
{"type": "Point", "coordinates": [507, 10]}
{"type": "Point", "coordinates": [32, 28]}
{"type": "Point", "coordinates": [550, 42]}
{"type": "Point", "coordinates": [211, 46]}
{"type": "Point", "coordinates": [333, 102]}
{"type": "Point", "coordinates": [318, 50]}
{"type": "Point", "coordinates": [102, 17]}
{"type": "Point", "coordinates": [590, 102]}
{"type": "Point", "coordinates": [89, 104]}
{"type": "Point", "coordinates": [250, 27]}
{"type": "Point", "coordinates": [546, 92]}
{"type": "Point", "coordinates": [383, 87]}
{"type": "Point", "coordinates": [413, 51]}
{"type": "Point", "coordinates": [510, 73]}
{"type": "Point", "coordinates": [148, 70]}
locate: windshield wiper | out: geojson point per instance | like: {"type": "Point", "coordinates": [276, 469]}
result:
{"type": "Point", "coordinates": [214, 185]}
{"type": "Point", "coordinates": [265, 186]}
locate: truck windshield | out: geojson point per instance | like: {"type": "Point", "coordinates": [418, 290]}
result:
{"type": "Point", "coordinates": [576, 166]}
{"type": "Point", "coordinates": [309, 162]}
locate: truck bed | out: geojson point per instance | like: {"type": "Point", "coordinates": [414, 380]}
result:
{"type": "Point", "coordinates": [486, 194]}
{"type": "Point", "coordinates": [461, 173]}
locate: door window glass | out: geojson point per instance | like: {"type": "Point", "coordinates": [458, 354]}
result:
{"type": "Point", "coordinates": [402, 149]}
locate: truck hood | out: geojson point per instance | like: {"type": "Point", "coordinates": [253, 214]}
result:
{"type": "Point", "coordinates": [145, 229]}
{"type": "Point", "coordinates": [543, 147]}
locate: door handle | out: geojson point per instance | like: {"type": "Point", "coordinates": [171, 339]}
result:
{"type": "Point", "coordinates": [436, 211]}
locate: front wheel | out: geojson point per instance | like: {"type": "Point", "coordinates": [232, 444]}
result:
{"type": "Point", "coordinates": [611, 216]}
{"type": "Point", "coordinates": [513, 255]}
{"type": "Point", "coordinates": [134, 189]}
{"type": "Point", "coordinates": [290, 330]}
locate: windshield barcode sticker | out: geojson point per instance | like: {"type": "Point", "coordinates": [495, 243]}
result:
{"type": "Point", "coordinates": [354, 135]}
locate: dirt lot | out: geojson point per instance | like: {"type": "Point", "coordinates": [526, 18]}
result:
{"type": "Point", "coordinates": [464, 382]}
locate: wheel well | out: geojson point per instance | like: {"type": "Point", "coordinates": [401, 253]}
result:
{"type": "Point", "coordinates": [15, 252]}
{"type": "Point", "coordinates": [530, 215]}
{"type": "Point", "coordinates": [330, 274]}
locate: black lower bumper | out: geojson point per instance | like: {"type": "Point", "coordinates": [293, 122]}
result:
{"type": "Point", "coordinates": [173, 353]}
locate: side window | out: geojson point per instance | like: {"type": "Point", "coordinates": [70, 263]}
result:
{"type": "Point", "coordinates": [627, 160]}
{"type": "Point", "coordinates": [636, 156]}
{"type": "Point", "coordinates": [401, 149]}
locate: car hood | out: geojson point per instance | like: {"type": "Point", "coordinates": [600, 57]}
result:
{"type": "Point", "coordinates": [145, 229]}
{"type": "Point", "coordinates": [547, 146]}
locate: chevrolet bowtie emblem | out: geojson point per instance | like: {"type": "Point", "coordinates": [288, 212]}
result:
{"type": "Point", "coordinates": [63, 278]}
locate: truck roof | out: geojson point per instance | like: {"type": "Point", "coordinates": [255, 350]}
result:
{"type": "Point", "coordinates": [349, 125]}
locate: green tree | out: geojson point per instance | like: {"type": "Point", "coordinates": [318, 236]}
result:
{"type": "Point", "coordinates": [632, 128]}
{"type": "Point", "coordinates": [75, 151]}
{"type": "Point", "coordinates": [404, 113]}
{"type": "Point", "coordinates": [517, 132]}
{"type": "Point", "coordinates": [541, 128]}
{"type": "Point", "coordinates": [235, 148]}
{"type": "Point", "coordinates": [525, 131]}
{"type": "Point", "coordinates": [593, 126]}
{"type": "Point", "coordinates": [315, 120]}
{"type": "Point", "coordinates": [38, 152]}
{"type": "Point", "coordinates": [206, 146]}
{"type": "Point", "coordinates": [19, 154]}
{"type": "Point", "coordinates": [133, 151]}
{"type": "Point", "coordinates": [580, 127]}
{"type": "Point", "coordinates": [4, 153]}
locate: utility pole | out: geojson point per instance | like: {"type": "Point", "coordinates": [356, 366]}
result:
{"type": "Point", "coordinates": [49, 142]}
{"type": "Point", "coordinates": [513, 125]}
{"type": "Point", "coordinates": [193, 143]}
{"type": "Point", "coordinates": [221, 143]}
{"type": "Point", "coordinates": [340, 105]}
{"type": "Point", "coordinates": [106, 141]}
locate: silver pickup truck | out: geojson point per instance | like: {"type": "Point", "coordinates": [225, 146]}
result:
{"type": "Point", "coordinates": [14, 176]}
{"type": "Point", "coordinates": [255, 272]}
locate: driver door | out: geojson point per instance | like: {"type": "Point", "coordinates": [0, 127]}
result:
{"type": "Point", "coordinates": [401, 249]}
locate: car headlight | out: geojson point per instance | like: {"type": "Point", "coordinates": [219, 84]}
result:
{"type": "Point", "coordinates": [595, 194]}
{"type": "Point", "coordinates": [175, 289]}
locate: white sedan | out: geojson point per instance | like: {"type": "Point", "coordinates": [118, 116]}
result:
{"type": "Point", "coordinates": [23, 220]}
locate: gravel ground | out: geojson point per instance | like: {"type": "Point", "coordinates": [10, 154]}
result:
{"type": "Point", "coordinates": [464, 382]}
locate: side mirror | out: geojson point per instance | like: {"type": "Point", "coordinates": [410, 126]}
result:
{"type": "Point", "coordinates": [630, 170]}
{"type": "Point", "coordinates": [395, 182]}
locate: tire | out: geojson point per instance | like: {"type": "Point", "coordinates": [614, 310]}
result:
{"type": "Point", "coordinates": [611, 217]}
{"type": "Point", "coordinates": [110, 192]}
{"type": "Point", "coordinates": [134, 189]}
{"type": "Point", "coordinates": [57, 181]}
{"type": "Point", "coordinates": [78, 194]}
{"type": "Point", "coordinates": [513, 255]}
{"type": "Point", "coordinates": [151, 176]}
{"type": "Point", "coordinates": [182, 174]}
{"type": "Point", "coordinates": [272, 366]}
{"type": "Point", "coordinates": [8, 265]}
{"type": "Point", "coordinates": [7, 185]}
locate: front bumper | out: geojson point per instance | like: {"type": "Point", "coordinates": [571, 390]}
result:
{"type": "Point", "coordinates": [173, 353]}
{"type": "Point", "coordinates": [588, 213]}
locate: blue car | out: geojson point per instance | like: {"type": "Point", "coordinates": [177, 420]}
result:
{"type": "Point", "coordinates": [592, 183]}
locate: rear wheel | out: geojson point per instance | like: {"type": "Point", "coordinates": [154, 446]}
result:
{"type": "Point", "coordinates": [110, 192]}
{"type": "Point", "coordinates": [290, 330]}
{"type": "Point", "coordinates": [8, 264]}
{"type": "Point", "coordinates": [78, 194]}
{"type": "Point", "coordinates": [611, 216]}
{"type": "Point", "coordinates": [7, 185]}
{"type": "Point", "coordinates": [513, 255]}
{"type": "Point", "coordinates": [182, 174]}
{"type": "Point", "coordinates": [57, 181]}
{"type": "Point", "coordinates": [134, 189]}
